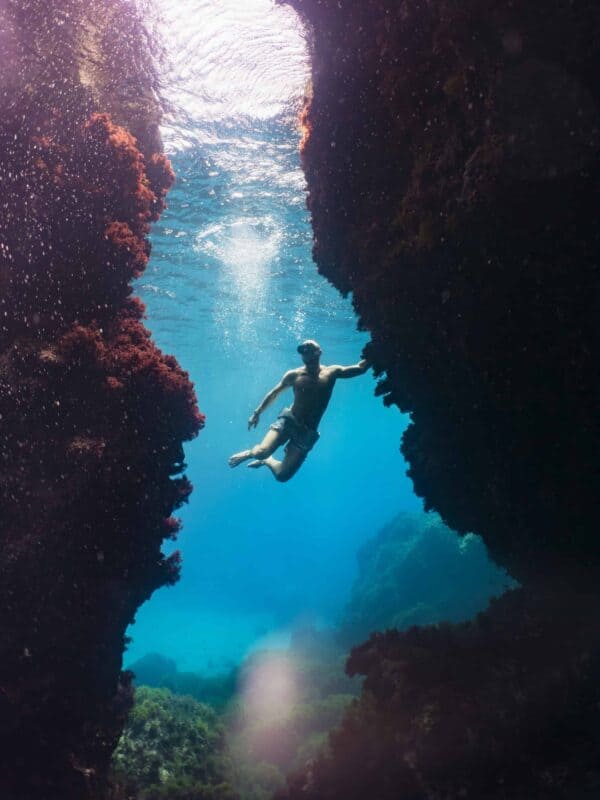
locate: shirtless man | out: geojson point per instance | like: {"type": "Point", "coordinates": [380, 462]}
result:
{"type": "Point", "coordinates": [312, 384]}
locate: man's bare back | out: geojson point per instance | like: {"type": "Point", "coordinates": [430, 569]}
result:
{"type": "Point", "coordinates": [312, 385]}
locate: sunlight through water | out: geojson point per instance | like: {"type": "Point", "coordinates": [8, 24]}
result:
{"type": "Point", "coordinates": [230, 290]}
{"type": "Point", "coordinates": [229, 60]}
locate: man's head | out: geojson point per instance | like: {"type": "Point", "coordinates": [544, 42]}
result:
{"type": "Point", "coordinates": [310, 351]}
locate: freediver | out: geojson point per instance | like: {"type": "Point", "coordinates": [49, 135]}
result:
{"type": "Point", "coordinates": [312, 384]}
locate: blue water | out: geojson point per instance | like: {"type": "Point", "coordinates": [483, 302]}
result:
{"type": "Point", "coordinates": [230, 291]}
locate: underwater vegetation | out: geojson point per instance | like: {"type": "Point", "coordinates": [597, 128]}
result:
{"type": "Point", "coordinates": [452, 153]}
{"type": "Point", "coordinates": [93, 414]}
{"type": "Point", "coordinates": [171, 749]}
{"type": "Point", "coordinates": [279, 711]}
{"type": "Point", "coordinates": [278, 707]}
{"type": "Point", "coordinates": [416, 571]}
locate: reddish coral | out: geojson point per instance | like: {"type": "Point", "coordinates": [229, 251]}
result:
{"type": "Point", "coordinates": [93, 414]}
{"type": "Point", "coordinates": [305, 126]}
{"type": "Point", "coordinates": [123, 238]}
{"type": "Point", "coordinates": [161, 177]}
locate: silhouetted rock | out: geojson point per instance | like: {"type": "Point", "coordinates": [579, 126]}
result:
{"type": "Point", "coordinates": [153, 669]}
{"type": "Point", "coordinates": [452, 153]}
{"type": "Point", "coordinates": [505, 706]}
{"type": "Point", "coordinates": [452, 157]}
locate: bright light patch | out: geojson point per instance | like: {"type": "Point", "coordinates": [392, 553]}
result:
{"type": "Point", "coordinates": [247, 246]}
{"type": "Point", "coordinates": [247, 250]}
{"type": "Point", "coordinates": [229, 59]}
{"type": "Point", "coordinates": [234, 79]}
{"type": "Point", "coordinates": [262, 728]}
{"type": "Point", "coordinates": [251, 247]}
{"type": "Point", "coordinates": [270, 690]}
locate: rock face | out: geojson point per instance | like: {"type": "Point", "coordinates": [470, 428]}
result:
{"type": "Point", "coordinates": [453, 162]}
{"type": "Point", "coordinates": [416, 571]}
{"type": "Point", "coordinates": [452, 157]}
{"type": "Point", "coordinates": [502, 707]}
{"type": "Point", "coordinates": [93, 415]}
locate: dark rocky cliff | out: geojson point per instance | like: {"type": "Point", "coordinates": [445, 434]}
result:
{"type": "Point", "coordinates": [92, 414]}
{"type": "Point", "coordinates": [452, 157]}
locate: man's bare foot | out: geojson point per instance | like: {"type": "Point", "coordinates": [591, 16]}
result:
{"type": "Point", "coordinates": [237, 458]}
{"type": "Point", "coordinates": [256, 464]}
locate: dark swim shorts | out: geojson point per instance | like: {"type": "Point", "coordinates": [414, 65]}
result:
{"type": "Point", "coordinates": [299, 435]}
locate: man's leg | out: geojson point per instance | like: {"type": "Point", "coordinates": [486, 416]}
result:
{"type": "Point", "coordinates": [286, 469]}
{"type": "Point", "coordinates": [263, 450]}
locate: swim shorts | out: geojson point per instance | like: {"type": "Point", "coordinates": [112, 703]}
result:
{"type": "Point", "coordinates": [299, 435]}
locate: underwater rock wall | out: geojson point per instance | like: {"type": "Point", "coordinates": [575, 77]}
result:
{"type": "Point", "coordinates": [452, 157]}
{"type": "Point", "coordinates": [452, 154]}
{"type": "Point", "coordinates": [502, 707]}
{"type": "Point", "coordinates": [92, 414]}
{"type": "Point", "coordinates": [416, 571]}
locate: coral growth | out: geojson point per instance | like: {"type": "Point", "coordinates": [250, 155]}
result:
{"type": "Point", "coordinates": [93, 414]}
{"type": "Point", "coordinates": [453, 171]}
{"type": "Point", "coordinates": [452, 153]}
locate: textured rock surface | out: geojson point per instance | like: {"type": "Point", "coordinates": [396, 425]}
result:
{"type": "Point", "coordinates": [416, 571]}
{"type": "Point", "coordinates": [452, 157]}
{"type": "Point", "coordinates": [506, 706]}
{"type": "Point", "coordinates": [93, 415]}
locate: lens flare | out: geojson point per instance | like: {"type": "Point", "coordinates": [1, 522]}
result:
{"type": "Point", "coordinates": [270, 688]}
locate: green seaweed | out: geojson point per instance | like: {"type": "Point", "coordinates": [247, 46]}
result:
{"type": "Point", "coordinates": [172, 747]}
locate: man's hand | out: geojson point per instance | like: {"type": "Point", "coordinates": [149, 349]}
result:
{"type": "Point", "coordinates": [284, 383]}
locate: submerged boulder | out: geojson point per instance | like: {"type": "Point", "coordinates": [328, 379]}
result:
{"type": "Point", "coordinates": [416, 571]}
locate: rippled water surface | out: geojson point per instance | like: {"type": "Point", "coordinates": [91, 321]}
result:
{"type": "Point", "coordinates": [230, 290]}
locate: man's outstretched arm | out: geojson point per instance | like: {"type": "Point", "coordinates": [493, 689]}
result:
{"type": "Point", "coordinates": [283, 384]}
{"type": "Point", "coordinates": [352, 371]}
